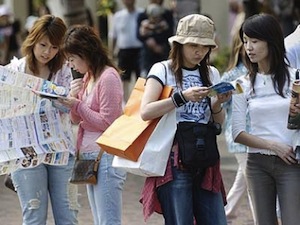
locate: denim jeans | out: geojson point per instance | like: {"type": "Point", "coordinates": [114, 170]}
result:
{"type": "Point", "coordinates": [182, 200]}
{"type": "Point", "coordinates": [35, 186]}
{"type": "Point", "coordinates": [269, 177]}
{"type": "Point", "coordinates": [105, 197]}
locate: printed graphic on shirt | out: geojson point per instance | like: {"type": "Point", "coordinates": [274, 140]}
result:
{"type": "Point", "coordinates": [193, 111]}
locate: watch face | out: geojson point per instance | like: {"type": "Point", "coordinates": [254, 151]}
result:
{"type": "Point", "coordinates": [76, 74]}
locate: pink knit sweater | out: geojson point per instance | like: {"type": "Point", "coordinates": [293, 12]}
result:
{"type": "Point", "coordinates": [96, 112]}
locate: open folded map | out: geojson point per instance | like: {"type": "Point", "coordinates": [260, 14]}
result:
{"type": "Point", "coordinates": [33, 128]}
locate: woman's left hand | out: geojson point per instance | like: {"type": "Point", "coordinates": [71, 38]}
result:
{"type": "Point", "coordinates": [224, 97]}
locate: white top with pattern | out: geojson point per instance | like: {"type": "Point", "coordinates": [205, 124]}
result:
{"type": "Point", "coordinates": [192, 111]}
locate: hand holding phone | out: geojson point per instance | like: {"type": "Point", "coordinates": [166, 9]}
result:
{"type": "Point", "coordinates": [76, 74]}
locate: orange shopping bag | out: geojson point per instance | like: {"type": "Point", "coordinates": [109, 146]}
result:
{"type": "Point", "coordinates": [128, 134]}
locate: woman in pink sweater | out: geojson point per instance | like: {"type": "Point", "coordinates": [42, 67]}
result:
{"type": "Point", "coordinates": [95, 102]}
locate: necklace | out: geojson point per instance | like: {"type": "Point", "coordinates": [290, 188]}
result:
{"type": "Point", "coordinates": [264, 80]}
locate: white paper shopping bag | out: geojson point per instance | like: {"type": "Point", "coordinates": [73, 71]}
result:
{"type": "Point", "coordinates": [154, 157]}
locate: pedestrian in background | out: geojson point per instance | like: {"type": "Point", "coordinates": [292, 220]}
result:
{"type": "Point", "coordinates": [272, 169]}
{"type": "Point", "coordinates": [10, 35]}
{"type": "Point", "coordinates": [126, 43]}
{"type": "Point", "coordinates": [95, 102]}
{"type": "Point", "coordinates": [155, 41]}
{"type": "Point", "coordinates": [237, 17]}
{"type": "Point", "coordinates": [41, 10]}
{"type": "Point", "coordinates": [236, 69]}
{"type": "Point", "coordinates": [43, 58]}
{"type": "Point", "coordinates": [292, 45]}
{"type": "Point", "coordinates": [182, 8]}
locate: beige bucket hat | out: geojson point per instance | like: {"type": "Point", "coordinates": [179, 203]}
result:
{"type": "Point", "coordinates": [195, 28]}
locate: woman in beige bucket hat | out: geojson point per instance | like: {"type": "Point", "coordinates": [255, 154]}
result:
{"type": "Point", "coordinates": [186, 194]}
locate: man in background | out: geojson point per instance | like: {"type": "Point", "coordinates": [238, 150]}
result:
{"type": "Point", "coordinates": [125, 43]}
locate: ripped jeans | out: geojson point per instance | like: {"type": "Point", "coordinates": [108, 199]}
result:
{"type": "Point", "coordinates": [36, 185]}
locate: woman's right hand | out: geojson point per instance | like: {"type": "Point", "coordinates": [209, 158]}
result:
{"type": "Point", "coordinates": [196, 93]}
{"type": "Point", "coordinates": [76, 85]}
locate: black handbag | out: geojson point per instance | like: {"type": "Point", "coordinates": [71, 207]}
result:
{"type": "Point", "coordinates": [85, 170]}
{"type": "Point", "coordinates": [198, 144]}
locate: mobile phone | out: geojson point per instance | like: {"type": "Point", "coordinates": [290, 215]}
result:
{"type": "Point", "coordinates": [76, 74]}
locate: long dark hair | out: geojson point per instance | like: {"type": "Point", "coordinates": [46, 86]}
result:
{"type": "Point", "coordinates": [46, 26]}
{"type": "Point", "coordinates": [176, 57]}
{"type": "Point", "coordinates": [82, 40]}
{"type": "Point", "coordinates": [265, 27]}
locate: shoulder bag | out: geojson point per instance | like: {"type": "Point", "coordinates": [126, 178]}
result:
{"type": "Point", "coordinates": [198, 143]}
{"type": "Point", "coordinates": [85, 170]}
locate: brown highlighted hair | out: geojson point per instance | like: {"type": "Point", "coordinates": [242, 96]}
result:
{"type": "Point", "coordinates": [46, 26]}
{"type": "Point", "coordinates": [83, 41]}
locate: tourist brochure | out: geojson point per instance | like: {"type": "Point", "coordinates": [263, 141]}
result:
{"type": "Point", "coordinates": [224, 87]}
{"type": "Point", "coordinates": [43, 94]}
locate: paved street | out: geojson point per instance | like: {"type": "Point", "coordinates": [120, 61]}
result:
{"type": "Point", "coordinates": [132, 211]}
